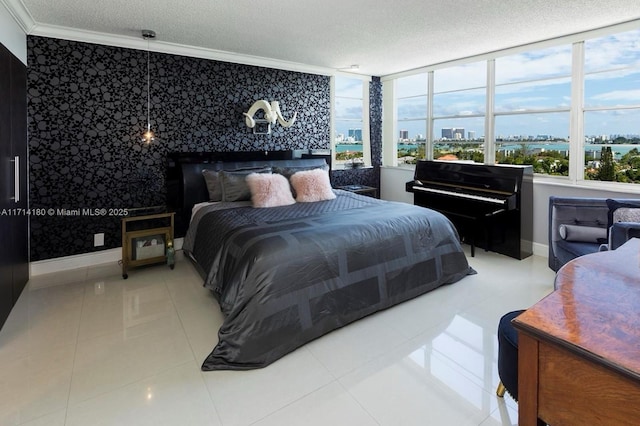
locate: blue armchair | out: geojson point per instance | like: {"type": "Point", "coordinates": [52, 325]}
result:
{"type": "Point", "coordinates": [579, 226]}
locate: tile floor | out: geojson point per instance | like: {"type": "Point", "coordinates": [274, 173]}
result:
{"type": "Point", "coordinates": [86, 347]}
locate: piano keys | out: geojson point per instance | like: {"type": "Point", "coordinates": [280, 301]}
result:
{"type": "Point", "coordinates": [491, 206]}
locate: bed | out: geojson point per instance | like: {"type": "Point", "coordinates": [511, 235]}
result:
{"type": "Point", "coordinates": [288, 274]}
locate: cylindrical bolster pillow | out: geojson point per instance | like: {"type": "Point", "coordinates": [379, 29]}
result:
{"type": "Point", "coordinates": [585, 234]}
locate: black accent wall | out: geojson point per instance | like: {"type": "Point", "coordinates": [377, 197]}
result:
{"type": "Point", "coordinates": [87, 107]}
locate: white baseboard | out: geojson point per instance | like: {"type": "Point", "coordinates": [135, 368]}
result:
{"type": "Point", "coordinates": [66, 263]}
{"type": "Point", "coordinates": [541, 249]}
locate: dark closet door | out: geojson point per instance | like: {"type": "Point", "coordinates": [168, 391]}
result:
{"type": "Point", "coordinates": [20, 223]}
{"type": "Point", "coordinates": [6, 192]}
{"type": "Point", "coordinates": [14, 223]}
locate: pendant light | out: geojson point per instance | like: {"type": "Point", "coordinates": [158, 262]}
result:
{"type": "Point", "coordinates": [148, 136]}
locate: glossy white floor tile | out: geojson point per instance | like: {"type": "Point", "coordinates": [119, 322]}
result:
{"type": "Point", "coordinates": [329, 405]}
{"type": "Point", "coordinates": [243, 397]}
{"type": "Point", "coordinates": [177, 396]}
{"type": "Point", "coordinates": [87, 347]}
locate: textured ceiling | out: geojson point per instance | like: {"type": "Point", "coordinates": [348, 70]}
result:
{"type": "Point", "coordinates": [382, 37]}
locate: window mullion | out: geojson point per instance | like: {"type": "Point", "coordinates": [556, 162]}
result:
{"type": "Point", "coordinates": [489, 118]}
{"type": "Point", "coordinates": [576, 118]}
{"type": "Point", "coordinates": [429, 139]}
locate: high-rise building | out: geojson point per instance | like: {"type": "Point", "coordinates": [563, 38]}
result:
{"type": "Point", "coordinates": [404, 135]}
{"type": "Point", "coordinates": [471, 135]}
{"type": "Point", "coordinates": [455, 133]}
{"type": "Point", "coordinates": [356, 134]}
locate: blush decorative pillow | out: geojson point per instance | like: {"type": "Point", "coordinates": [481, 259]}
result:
{"type": "Point", "coordinates": [312, 185]}
{"type": "Point", "coordinates": [269, 190]}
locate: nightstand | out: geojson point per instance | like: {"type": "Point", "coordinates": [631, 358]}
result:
{"type": "Point", "coordinates": [361, 189]}
{"type": "Point", "coordinates": [145, 240]}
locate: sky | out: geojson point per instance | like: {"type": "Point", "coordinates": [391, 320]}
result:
{"type": "Point", "coordinates": [529, 82]}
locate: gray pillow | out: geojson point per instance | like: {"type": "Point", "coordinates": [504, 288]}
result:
{"type": "Point", "coordinates": [234, 186]}
{"type": "Point", "coordinates": [585, 234]}
{"type": "Point", "coordinates": [289, 171]}
{"type": "Point", "coordinates": [214, 186]}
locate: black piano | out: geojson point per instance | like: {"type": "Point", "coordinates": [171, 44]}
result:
{"type": "Point", "coordinates": [491, 206]}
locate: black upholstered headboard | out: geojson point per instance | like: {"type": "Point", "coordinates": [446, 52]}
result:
{"type": "Point", "coordinates": [186, 186]}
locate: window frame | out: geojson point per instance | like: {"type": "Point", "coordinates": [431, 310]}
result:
{"type": "Point", "coordinates": [576, 108]}
{"type": "Point", "coordinates": [366, 139]}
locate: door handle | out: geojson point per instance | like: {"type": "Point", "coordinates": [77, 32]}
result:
{"type": "Point", "coordinates": [16, 178]}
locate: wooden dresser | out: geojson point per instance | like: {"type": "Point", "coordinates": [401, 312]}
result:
{"type": "Point", "coordinates": [579, 347]}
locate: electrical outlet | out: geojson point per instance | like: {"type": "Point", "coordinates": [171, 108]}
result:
{"type": "Point", "coordinates": [98, 239]}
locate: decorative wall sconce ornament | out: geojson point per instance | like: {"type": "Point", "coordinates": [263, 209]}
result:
{"type": "Point", "coordinates": [272, 114]}
{"type": "Point", "coordinates": [148, 136]}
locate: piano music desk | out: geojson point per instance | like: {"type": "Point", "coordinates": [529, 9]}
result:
{"type": "Point", "coordinates": [579, 347]}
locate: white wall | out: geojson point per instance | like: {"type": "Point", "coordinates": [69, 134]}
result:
{"type": "Point", "coordinates": [392, 181]}
{"type": "Point", "coordinates": [11, 35]}
{"type": "Point", "coordinates": [392, 188]}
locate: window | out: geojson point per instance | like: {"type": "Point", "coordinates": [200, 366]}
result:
{"type": "Point", "coordinates": [570, 110]}
{"type": "Point", "coordinates": [612, 108]}
{"type": "Point", "coordinates": [532, 109]}
{"type": "Point", "coordinates": [351, 120]}
{"type": "Point", "coordinates": [459, 104]}
{"type": "Point", "coordinates": [411, 113]}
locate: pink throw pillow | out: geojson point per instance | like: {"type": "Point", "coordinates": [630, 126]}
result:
{"type": "Point", "coordinates": [312, 185]}
{"type": "Point", "coordinates": [269, 190]}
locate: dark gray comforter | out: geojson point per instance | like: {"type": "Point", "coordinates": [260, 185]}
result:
{"type": "Point", "coordinates": [287, 275]}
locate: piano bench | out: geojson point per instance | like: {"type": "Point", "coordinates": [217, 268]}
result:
{"type": "Point", "coordinates": [483, 221]}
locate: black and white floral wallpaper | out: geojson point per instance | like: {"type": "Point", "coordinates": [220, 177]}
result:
{"type": "Point", "coordinates": [88, 110]}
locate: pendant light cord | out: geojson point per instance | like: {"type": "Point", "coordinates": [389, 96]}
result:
{"type": "Point", "coordinates": [148, 91]}
{"type": "Point", "coordinates": [148, 35]}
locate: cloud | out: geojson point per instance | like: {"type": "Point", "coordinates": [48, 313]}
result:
{"type": "Point", "coordinates": [544, 63]}
{"type": "Point", "coordinates": [349, 87]}
{"type": "Point", "coordinates": [613, 51]}
{"type": "Point", "coordinates": [619, 95]}
{"type": "Point", "coordinates": [460, 77]}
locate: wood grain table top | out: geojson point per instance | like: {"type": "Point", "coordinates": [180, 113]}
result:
{"type": "Point", "coordinates": [595, 309]}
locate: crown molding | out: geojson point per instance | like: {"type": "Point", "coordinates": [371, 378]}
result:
{"type": "Point", "coordinates": [94, 37]}
{"type": "Point", "coordinates": [20, 14]}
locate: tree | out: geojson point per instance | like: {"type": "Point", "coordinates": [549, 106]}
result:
{"type": "Point", "coordinates": [607, 165]}
{"type": "Point", "coordinates": [620, 140]}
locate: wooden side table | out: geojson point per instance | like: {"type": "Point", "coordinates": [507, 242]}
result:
{"type": "Point", "coordinates": [145, 240]}
{"type": "Point", "coordinates": [361, 189]}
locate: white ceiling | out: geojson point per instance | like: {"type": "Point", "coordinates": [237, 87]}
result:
{"type": "Point", "coordinates": [382, 37]}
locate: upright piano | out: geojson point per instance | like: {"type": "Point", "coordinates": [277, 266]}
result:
{"type": "Point", "coordinates": [491, 206]}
